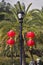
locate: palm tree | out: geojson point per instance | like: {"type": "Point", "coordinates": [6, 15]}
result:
{"type": "Point", "coordinates": [29, 22]}
{"type": "Point", "coordinates": [17, 8]}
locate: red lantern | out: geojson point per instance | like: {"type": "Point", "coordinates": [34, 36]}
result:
{"type": "Point", "coordinates": [10, 42]}
{"type": "Point", "coordinates": [30, 35]}
{"type": "Point", "coordinates": [30, 43]}
{"type": "Point", "coordinates": [11, 33]}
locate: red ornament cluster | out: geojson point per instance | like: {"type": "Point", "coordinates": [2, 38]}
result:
{"type": "Point", "coordinates": [30, 43]}
{"type": "Point", "coordinates": [11, 34]}
{"type": "Point", "coordinates": [30, 35]}
{"type": "Point", "coordinates": [10, 42]}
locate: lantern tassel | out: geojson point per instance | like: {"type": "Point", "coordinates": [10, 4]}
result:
{"type": "Point", "coordinates": [30, 38]}
{"type": "Point", "coordinates": [10, 47]}
{"type": "Point", "coordinates": [30, 47]}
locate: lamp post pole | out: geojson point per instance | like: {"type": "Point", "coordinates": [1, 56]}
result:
{"type": "Point", "coordinates": [20, 17]}
{"type": "Point", "coordinates": [21, 43]}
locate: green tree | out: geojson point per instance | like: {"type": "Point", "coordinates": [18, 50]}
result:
{"type": "Point", "coordinates": [32, 21]}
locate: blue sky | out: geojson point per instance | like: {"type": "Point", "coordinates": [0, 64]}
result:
{"type": "Point", "coordinates": [35, 3]}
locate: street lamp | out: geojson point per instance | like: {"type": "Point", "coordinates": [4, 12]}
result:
{"type": "Point", "coordinates": [20, 17]}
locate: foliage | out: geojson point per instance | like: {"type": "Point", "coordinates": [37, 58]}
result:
{"type": "Point", "coordinates": [32, 21]}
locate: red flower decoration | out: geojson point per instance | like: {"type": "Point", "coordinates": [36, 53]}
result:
{"type": "Point", "coordinates": [10, 42]}
{"type": "Point", "coordinates": [30, 35]}
{"type": "Point", "coordinates": [11, 33]}
{"type": "Point", "coordinates": [30, 43]}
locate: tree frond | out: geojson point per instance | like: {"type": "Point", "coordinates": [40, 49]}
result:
{"type": "Point", "coordinates": [28, 7]}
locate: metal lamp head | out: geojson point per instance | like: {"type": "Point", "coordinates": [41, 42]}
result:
{"type": "Point", "coordinates": [20, 15]}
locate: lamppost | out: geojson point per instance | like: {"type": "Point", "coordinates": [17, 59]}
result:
{"type": "Point", "coordinates": [20, 17]}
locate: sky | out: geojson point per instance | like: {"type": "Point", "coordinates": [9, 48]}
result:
{"type": "Point", "coordinates": [36, 4]}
